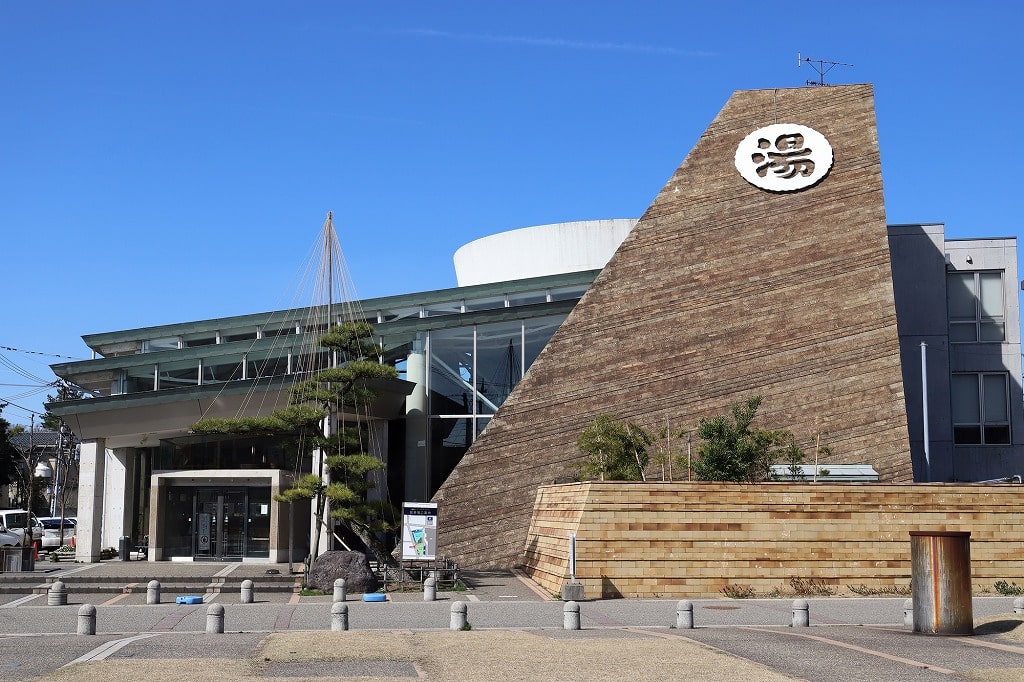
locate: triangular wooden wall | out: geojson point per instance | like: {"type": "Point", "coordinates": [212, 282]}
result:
{"type": "Point", "coordinates": [722, 291]}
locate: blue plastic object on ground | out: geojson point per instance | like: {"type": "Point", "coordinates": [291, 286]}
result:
{"type": "Point", "coordinates": [188, 599]}
{"type": "Point", "coordinates": [375, 597]}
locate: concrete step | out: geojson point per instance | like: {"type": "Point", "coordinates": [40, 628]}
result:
{"type": "Point", "coordinates": [177, 587]}
{"type": "Point", "coordinates": [29, 583]}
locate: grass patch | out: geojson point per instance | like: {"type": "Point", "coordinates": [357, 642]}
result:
{"type": "Point", "coordinates": [863, 590]}
{"type": "Point", "coordinates": [811, 588]}
{"type": "Point", "coordinates": [1008, 589]}
{"type": "Point", "coordinates": [739, 591]}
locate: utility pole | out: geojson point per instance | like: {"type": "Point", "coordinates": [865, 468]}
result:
{"type": "Point", "coordinates": [30, 473]}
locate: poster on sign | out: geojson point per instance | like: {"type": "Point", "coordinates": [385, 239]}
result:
{"type": "Point", "coordinates": [419, 530]}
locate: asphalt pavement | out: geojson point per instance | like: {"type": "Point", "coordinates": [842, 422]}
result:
{"type": "Point", "coordinates": [515, 626]}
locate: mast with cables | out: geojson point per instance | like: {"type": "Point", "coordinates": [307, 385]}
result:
{"type": "Point", "coordinates": [821, 66]}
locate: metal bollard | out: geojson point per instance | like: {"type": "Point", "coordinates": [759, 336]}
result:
{"type": "Point", "coordinates": [459, 616]}
{"type": "Point", "coordinates": [339, 617]}
{"type": "Point", "coordinates": [908, 613]}
{"type": "Point", "coordinates": [1018, 605]}
{"type": "Point", "coordinates": [340, 590]}
{"type": "Point", "coordinates": [215, 619]}
{"type": "Point", "coordinates": [430, 589]}
{"type": "Point", "coordinates": [247, 592]}
{"type": "Point", "coordinates": [57, 594]}
{"type": "Point", "coordinates": [684, 615]}
{"type": "Point", "coordinates": [153, 592]}
{"type": "Point", "coordinates": [87, 619]}
{"type": "Point", "coordinates": [571, 616]}
{"type": "Point", "coordinates": [940, 577]}
{"type": "Point", "coordinates": [801, 613]}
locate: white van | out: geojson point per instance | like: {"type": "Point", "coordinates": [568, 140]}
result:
{"type": "Point", "coordinates": [15, 520]}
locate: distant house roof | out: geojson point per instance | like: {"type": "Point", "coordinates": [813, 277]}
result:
{"type": "Point", "coordinates": [38, 439]}
{"type": "Point", "coordinates": [826, 472]}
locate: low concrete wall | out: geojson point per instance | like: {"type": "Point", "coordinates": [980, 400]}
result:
{"type": "Point", "coordinates": [694, 539]}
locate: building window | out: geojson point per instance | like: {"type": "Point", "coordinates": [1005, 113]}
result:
{"type": "Point", "coordinates": [975, 306]}
{"type": "Point", "coordinates": [981, 414]}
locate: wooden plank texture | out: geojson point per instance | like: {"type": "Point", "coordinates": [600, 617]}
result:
{"type": "Point", "coordinates": [722, 291]}
{"type": "Point", "coordinates": [702, 538]}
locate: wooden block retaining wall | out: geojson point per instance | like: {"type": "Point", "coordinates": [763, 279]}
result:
{"type": "Point", "coordinates": [691, 540]}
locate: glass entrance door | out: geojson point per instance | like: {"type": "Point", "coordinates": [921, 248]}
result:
{"type": "Point", "coordinates": [220, 524]}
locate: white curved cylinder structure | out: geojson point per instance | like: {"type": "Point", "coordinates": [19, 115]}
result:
{"type": "Point", "coordinates": [540, 250]}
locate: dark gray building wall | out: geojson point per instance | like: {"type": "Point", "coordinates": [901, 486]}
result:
{"type": "Point", "coordinates": [919, 285]}
{"type": "Point", "coordinates": [921, 259]}
{"type": "Point", "coordinates": [991, 461]}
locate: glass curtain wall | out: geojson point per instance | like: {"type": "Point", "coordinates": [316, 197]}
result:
{"type": "Point", "coordinates": [472, 371]}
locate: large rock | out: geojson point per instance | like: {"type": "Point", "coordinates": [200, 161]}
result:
{"type": "Point", "coordinates": [354, 567]}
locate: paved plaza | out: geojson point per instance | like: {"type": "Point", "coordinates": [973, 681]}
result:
{"type": "Point", "coordinates": [516, 633]}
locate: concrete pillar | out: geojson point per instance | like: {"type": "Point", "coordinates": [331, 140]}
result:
{"type": "Point", "coordinates": [801, 613]}
{"type": "Point", "coordinates": [339, 617]}
{"type": "Point", "coordinates": [118, 498]}
{"type": "Point", "coordinates": [571, 616]}
{"type": "Point", "coordinates": [153, 592]}
{"type": "Point", "coordinates": [459, 616]}
{"type": "Point", "coordinates": [908, 613]}
{"type": "Point", "coordinates": [247, 592]}
{"type": "Point", "coordinates": [158, 488]}
{"type": "Point", "coordinates": [684, 615]}
{"type": "Point", "coordinates": [87, 619]}
{"type": "Point", "coordinates": [88, 532]}
{"type": "Point", "coordinates": [1018, 605]}
{"type": "Point", "coordinates": [430, 589]}
{"type": "Point", "coordinates": [215, 619]}
{"type": "Point", "coordinates": [417, 463]}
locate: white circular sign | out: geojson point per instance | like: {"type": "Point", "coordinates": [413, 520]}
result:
{"type": "Point", "coordinates": [784, 157]}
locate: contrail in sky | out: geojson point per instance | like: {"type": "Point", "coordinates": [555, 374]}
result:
{"type": "Point", "coordinates": [556, 43]}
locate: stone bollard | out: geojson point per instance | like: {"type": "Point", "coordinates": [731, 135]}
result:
{"type": "Point", "coordinates": [1018, 605]}
{"type": "Point", "coordinates": [684, 615]}
{"type": "Point", "coordinates": [57, 594]}
{"type": "Point", "coordinates": [339, 617]}
{"type": "Point", "coordinates": [908, 613]}
{"type": "Point", "coordinates": [340, 590]}
{"type": "Point", "coordinates": [215, 619]}
{"type": "Point", "coordinates": [571, 616]}
{"type": "Point", "coordinates": [459, 617]}
{"type": "Point", "coordinates": [153, 592]}
{"type": "Point", "coordinates": [247, 592]}
{"type": "Point", "coordinates": [430, 589]}
{"type": "Point", "coordinates": [801, 613]}
{"type": "Point", "coordinates": [87, 619]}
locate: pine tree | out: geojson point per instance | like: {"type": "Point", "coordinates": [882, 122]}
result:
{"type": "Point", "coordinates": [733, 449]}
{"type": "Point", "coordinates": [9, 455]}
{"type": "Point", "coordinates": [298, 428]}
{"type": "Point", "coordinates": [615, 450]}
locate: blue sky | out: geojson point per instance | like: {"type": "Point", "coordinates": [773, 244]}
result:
{"type": "Point", "coordinates": [171, 161]}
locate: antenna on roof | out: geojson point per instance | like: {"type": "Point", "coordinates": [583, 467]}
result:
{"type": "Point", "coordinates": [821, 66]}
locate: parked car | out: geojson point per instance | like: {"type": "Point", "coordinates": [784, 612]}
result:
{"type": "Point", "coordinates": [15, 520]}
{"type": "Point", "coordinates": [8, 539]}
{"type": "Point", "coordinates": [52, 538]}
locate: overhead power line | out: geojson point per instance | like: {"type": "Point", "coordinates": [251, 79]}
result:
{"type": "Point", "coordinates": [39, 352]}
{"type": "Point", "coordinates": [7, 403]}
{"type": "Point", "coordinates": [22, 372]}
